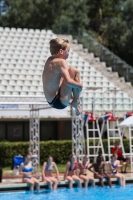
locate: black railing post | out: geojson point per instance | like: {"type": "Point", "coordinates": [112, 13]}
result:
{"type": "Point", "coordinates": [89, 44]}
{"type": "Point", "coordinates": [60, 28]}
{"type": "Point", "coordinates": [127, 73]}
{"type": "Point", "coordinates": [68, 30]}
{"type": "Point", "coordinates": [79, 35]}
{"type": "Point", "coordinates": [114, 63]}
{"type": "Point", "coordinates": [101, 53]}
{"type": "Point", "coordinates": [99, 50]}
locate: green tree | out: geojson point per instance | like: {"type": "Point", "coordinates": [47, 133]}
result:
{"type": "Point", "coordinates": [113, 30]}
{"type": "Point", "coordinates": [74, 12]}
{"type": "Point", "coordinates": [44, 13]}
{"type": "Point", "coordinates": [19, 12]}
{"type": "Point", "coordinates": [118, 32]}
{"type": "Point", "coordinates": [101, 10]}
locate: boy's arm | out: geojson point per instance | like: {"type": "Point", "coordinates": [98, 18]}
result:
{"type": "Point", "coordinates": [68, 80]}
{"type": "Point", "coordinates": [90, 168]}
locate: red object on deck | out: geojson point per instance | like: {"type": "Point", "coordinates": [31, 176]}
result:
{"type": "Point", "coordinates": [110, 116]}
{"type": "Point", "coordinates": [91, 117]}
{"type": "Point", "coordinates": [129, 114]}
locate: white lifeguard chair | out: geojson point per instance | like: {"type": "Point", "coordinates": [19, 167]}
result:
{"type": "Point", "coordinates": [93, 135]}
{"type": "Point", "coordinates": [113, 131]}
{"type": "Point", "coordinates": [110, 123]}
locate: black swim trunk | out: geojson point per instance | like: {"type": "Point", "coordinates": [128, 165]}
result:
{"type": "Point", "coordinates": [123, 159]}
{"type": "Point", "coordinates": [84, 174]}
{"type": "Point", "coordinates": [56, 102]}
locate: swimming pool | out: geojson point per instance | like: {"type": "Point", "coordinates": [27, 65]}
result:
{"type": "Point", "coordinates": [90, 193]}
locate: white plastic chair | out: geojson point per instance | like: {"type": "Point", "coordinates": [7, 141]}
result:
{"type": "Point", "coordinates": [26, 88]}
{"type": "Point", "coordinates": [17, 71]}
{"type": "Point", "coordinates": [20, 82]}
{"type": "Point", "coordinates": [12, 82]}
{"type": "Point", "coordinates": [15, 93]}
{"type": "Point", "coordinates": [1, 29]}
{"type": "Point", "coordinates": [17, 88]}
{"type": "Point", "coordinates": [19, 30]}
{"type": "Point", "coordinates": [23, 93]}
{"type": "Point", "coordinates": [28, 83]}
{"type": "Point", "coordinates": [22, 77]}
{"type": "Point", "coordinates": [43, 31]}
{"type": "Point", "coordinates": [4, 82]}
{"type": "Point", "coordinates": [6, 61]}
{"type": "Point", "coordinates": [7, 76]}
{"type": "Point", "coordinates": [25, 30]}
{"type": "Point", "coordinates": [2, 88]}
{"type": "Point", "coordinates": [7, 92]}
{"type": "Point", "coordinates": [13, 30]}
{"type": "Point", "coordinates": [11, 35]}
{"type": "Point", "coordinates": [29, 77]}
{"type": "Point", "coordinates": [24, 35]}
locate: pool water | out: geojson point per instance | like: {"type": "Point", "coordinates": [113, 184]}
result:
{"type": "Point", "coordinates": [90, 193]}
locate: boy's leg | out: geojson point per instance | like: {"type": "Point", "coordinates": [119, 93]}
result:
{"type": "Point", "coordinates": [66, 91]}
{"type": "Point", "coordinates": [75, 75]}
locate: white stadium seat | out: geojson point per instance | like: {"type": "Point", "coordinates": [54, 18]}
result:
{"type": "Point", "coordinates": [7, 93]}
{"type": "Point", "coordinates": [23, 53]}
{"type": "Point", "coordinates": [1, 29]}
{"type": "Point", "coordinates": [17, 88]}
{"type": "Point", "coordinates": [23, 93]}
{"type": "Point", "coordinates": [5, 34]}
{"type": "Point", "coordinates": [15, 93]}
{"type": "Point", "coordinates": [13, 30]}
{"type": "Point", "coordinates": [25, 30]}
{"type": "Point", "coordinates": [19, 30]}
{"type": "Point", "coordinates": [14, 76]}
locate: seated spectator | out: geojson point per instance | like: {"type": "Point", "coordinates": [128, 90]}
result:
{"type": "Point", "coordinates": [27, 159]}
{"type": "Point", "coordinates": [117, 150]}
{"type": "Point", "coordinates": [99, 170]}
{"type": "Point", "coordinates": [26, 171]}
{"type": "Point", "coordinates": [114, 170]}
{"type": "Point", "coordinates": [71, 172]}
{"type": "Point", "coordinates": [47, 169]}
{"type": "Point", "coordinates": [83, 174]}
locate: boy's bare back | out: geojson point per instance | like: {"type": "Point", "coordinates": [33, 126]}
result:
{"type": "Point", "coordinates": [52, 77]}
{"type": "Point", "coordinates": [60, 81]}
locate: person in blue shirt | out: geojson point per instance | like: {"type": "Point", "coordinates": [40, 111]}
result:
{"type": "Point", "coordinates": [27, 170]}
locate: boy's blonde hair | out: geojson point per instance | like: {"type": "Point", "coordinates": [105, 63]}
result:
{"type": "Point", "coordinates": [57, 44]}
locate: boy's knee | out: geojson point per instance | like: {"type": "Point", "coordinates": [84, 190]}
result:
{"type": "Point", "coordinates": [73, 70]}
{"type": "Point", "coordinates": [74, 73]}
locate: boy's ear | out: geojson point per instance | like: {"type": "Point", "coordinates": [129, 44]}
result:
{"type": "Point", "coordinates": [61, 51]}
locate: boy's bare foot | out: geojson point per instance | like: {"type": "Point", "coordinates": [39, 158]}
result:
{"type": "Point", "coordinates": [77, 107]}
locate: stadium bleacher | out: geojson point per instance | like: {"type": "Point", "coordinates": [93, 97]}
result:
{"type": "Point", "coordinates": [23, 53]}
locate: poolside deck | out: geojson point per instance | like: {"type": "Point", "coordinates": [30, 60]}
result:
{"type": "Point", "coordinates": [15, 182]}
